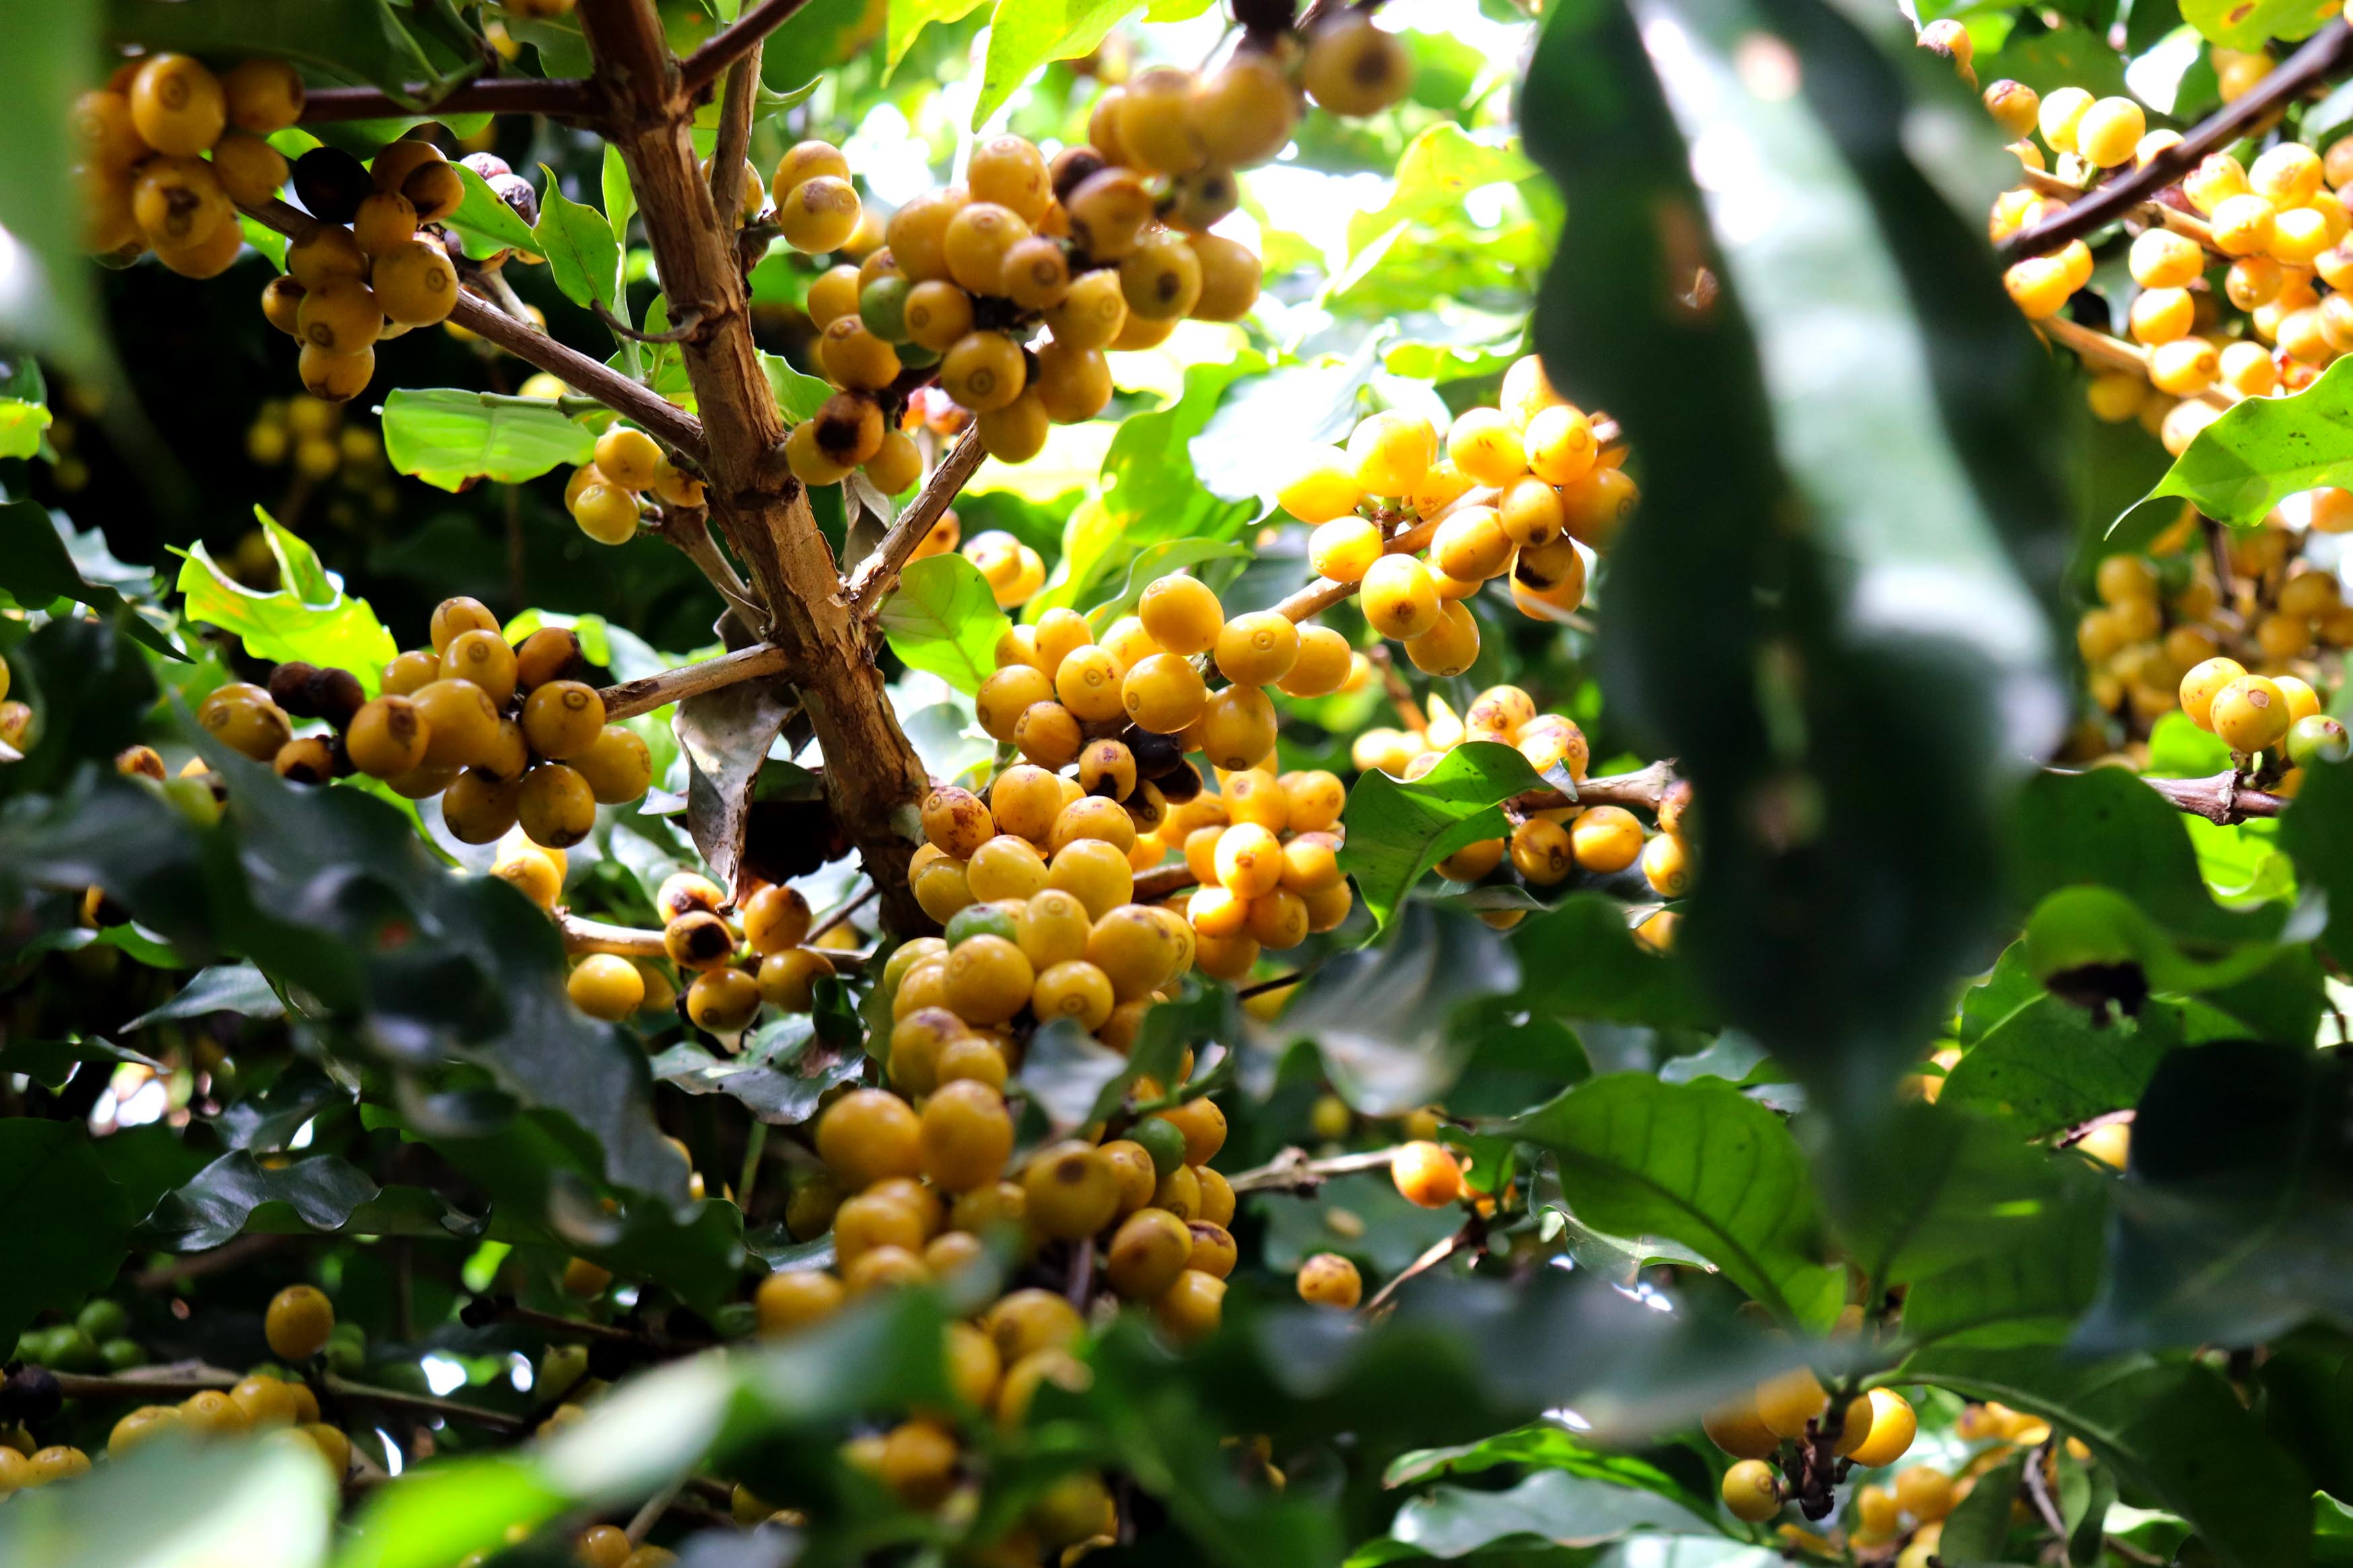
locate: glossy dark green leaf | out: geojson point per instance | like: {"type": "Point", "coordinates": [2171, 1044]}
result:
{"type": "Point", "coordinates": [1819, 672]}
{"type": "Point", "coordinates": [2107, 827]}
{"type": "Point", "coordinates": [1541, 1446]}
{"type": "Point", "coordinates": [2232, 1222]}
{"type": "Point", "coordinates": [783, 1091]}
{"type": "Point", "coordinates": [318, 1195]}
{"type": "Point", "coordinates": [1065, 1072]}
{"type": "Point", "coordinates": [1980, 1524]}
{"type": "Point", "coordinates": [2306, 1381]}
{"type": "Point", "coordinates": [1936, 1188]}
{"type": "Point", "coordinates": [2030, 1294]}
{"type": "Point", "coordinates": [353, 40]}
{"type": "Point", "coordinates": [62, 1222]}
{"type": "Point", "coordinates": [237, 988]}
{"type": "Point", "coordinates": [50, 1063]}
{"type": "Point", "coordinates": [1397, 831]}
{"type": "Point", "coordinates": [1699, 1164]}
{"type": "Point", "coordinates": [36, 568]}
{"type": "Point", "coordinates": [584, 258]}
{"type": "Point", "coordinates": [2049, 1066]}
{"type": "Point", "coordinates": [88, 689]}
{"type": "Point", "coordinates": [944, 619]}
{"type": "Point", "coordinates": [447, 437]}
{"type": "Point", "coordinates": [1580, 960]}
{"type": "Point", "coordinates": [1552, 1505]}
{"type": "Point", "coordinates": [2172, 1428]}
{"type": "Point", "coordinates": [1385, 1018]}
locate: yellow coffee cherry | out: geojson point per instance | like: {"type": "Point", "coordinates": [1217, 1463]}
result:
{"type": "Point", "coordinates": [2244, 225]}
{"type": "Point", "coordinates": [1483, 444]}
{"type": "Point", "coordinates": [2039, 286]}
{"type": "Point", "coordinates": [2014, 106]}
{"type": "Point", "coordinates": [2162, 315]}
{"type": "Point", "coordinates": [1392, 451]}
{"type": "Point", "coordinates": [1787, 1402]}
{"type": "Point", "coordinates": [1752, 1490]}
{"type": "Point", "coordinates": [2249, 714]}
{"type": "Point", "coordinates": [2060, 112]}
{"type": "Point", "coordinates": [1399, 598]}
{"type": "Point", "coordinates": [2109, 131]}
{"type": "Point", "coordinates": [1328, 1279]}
{"type": "Point", "coordinates": [2184, 367]}
{"type": "Point", "coordinates": [1892, 1427]}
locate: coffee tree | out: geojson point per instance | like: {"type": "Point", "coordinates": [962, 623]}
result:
{"type": "Point", "coordinates": [797, 781]}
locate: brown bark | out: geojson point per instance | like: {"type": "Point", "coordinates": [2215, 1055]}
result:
{"type": "Point", "coordinates": [873, 778]}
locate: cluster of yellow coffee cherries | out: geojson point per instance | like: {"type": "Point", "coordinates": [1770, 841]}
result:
{"type": "Point", "coordinates": [169, 151]}
{"type": "Point", "coordinates": [2277, 226]}
{"type": "Point", "coordinates": [297, 1324]}
{"type": "Point", "coordinates": [1877, 1429]}
{"type": "Point", "coordinates": [1525, 489]}
{"type": "Point", "coordinates": [16, 719]}
{"type": "Point", "coordinates": [920, 1181]}
{"type": "Point", "coordinates": [2140, 640]}
{"type": "Point", "coordinates": [2263, 713]}
{"type": "Point", "coordinates": [605, 496]}
{"type": "Point", "coordinates": [1107, 246]}
{"type": "Point", "coordinates": [503, 734]}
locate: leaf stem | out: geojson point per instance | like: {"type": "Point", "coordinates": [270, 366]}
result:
{"type": "Point", "coordinates": [644, 695]}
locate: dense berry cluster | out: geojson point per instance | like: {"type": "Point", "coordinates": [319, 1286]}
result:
{"type": "Point", "coordinates": [1527, 489]}
{"type": "Point", "coordinates": [504, 734]}
{"type": "Point", "coordinates": [169, 151]}
{"type": "Point", "coordinates": [1785, 1446]}
{"type": "Point", "coordinates": [1106, 246]}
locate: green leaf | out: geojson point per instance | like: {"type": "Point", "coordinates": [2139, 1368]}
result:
{"type": "Point", "coordinates": [1933, 1189]}
{"type": "Point", "coordinates": [906, 19]}
{"type": "Point", "coordinates": [50, 1062]}
{"type": "Point", "coordinates": [2107, 828]}
{"type": "Point", "coordinates": [353, 41]}
{"type": "Point", "coordinates": [433, 1516]}
{"type": "Point", "coordinates": [486, 225]}
{"type": "Point", "coordinates": [2319, 835]}
{"type": "Point", "coordinates": [321, 1195]}
{"type": "Point", "coordinates": [52, 54]}
{"type": "Point", "coordinates": [944, 619]}
{"type": "Point", "coordinates": [342, 633]}
{"type": "Point", "coordinates": [36, 567]}
{"type": "Point", "coordinates": [799, 397]}
{"type": "Point", "coordinates": [2172, 1429]}
{"type": "Point", "coordinates": [2048, 1067]}
{"type": "Point", "coordinates": [1065, 1072]}
{"type": "Point", "coordinates": [781, 1076]}
{"type": "Point", "coordinates": [2239, 25]}
{"type": "Point", "coordinates": [1387, 1018]}
{"type": "Point", "coordinates": [447, 437]}
{"type": "Point", "coordinates": [819, 37]}
{"type": "Point", "coordinates": [1552, 1506]}
{"type": "Point", "coordinates": [2070, 56]}
{"type": "Point", "coordinates": [2233, 1225]}
{"type": "Point", "coordinates": [1361, 1217]}
{"type": "Point", "coordinates": [1699, 1164]}
{"type": "Point", "coordinates": [1980, 1524]}
{"type": "Point", "coordinates": [179, 1505]}
{"type": "Point", "coordinates": [1579, 960]}
{"type": "Point", "coordinates": [2265, 450]}
{"type": "Point", "coordinates": [1395, 830]}
{"type": "Point", "coordinates": [1543, 1446]}
{"type": "Point", "coordinates": [22, 427]}
{"type": "Point", "coordinates": [584, 257]}
{"type": "Point", "coordinates": [1025, 33]}
{"type": "Point", "coordinates": [59, 1216]}
{"type": "Point", "coordinates": [1440, 166]}
{"type": "Point", "coordinates": [1763, 602]}
{"type": "Point", "coordinates": [237, 988]}
{"type": "Point", "coordinates": [620, 197]}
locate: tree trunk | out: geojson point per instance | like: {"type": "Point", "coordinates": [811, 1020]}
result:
{"type": "Point", "coordinates": [874, 780]}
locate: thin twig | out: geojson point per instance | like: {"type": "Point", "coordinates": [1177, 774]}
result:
{"type": "Point", "coordinates": [645, 695]}
{"type": "Point", "coordinates": [1245, 993]}
{"type": "Point", "coordinates": [182, 1381]}
{"type": "Point", "coordinates": [2188, 225]}
{"type": "Point", "coordinates": [727, 152]}
{"type": "Point", "coordinates": [875, 576]}
{"type": "Point", "coordinates": [598, 936]}
{"type": "Point", "coordinates": [228, 1254]}
{"type": "Point", "coordinates": [842, 911]}
{"type": "Point", "coordinates": [1080, 1286]}
{"type": "Point", "coordinates": [1409, 711]}
{"type": "Point", "coordinates": [2038, 1491]}
{"type": "Point", "coordinates": [688, 529]}
{"type": "Point", "coordinates": [2220, 799]}
{"type": "Point", "coordinates": [1644, 787]}
{"type": "Point", "coordinates": [526, 343]}
{"type": "Point", "coordinates": [688, 325]}
{"type": "Point", "coordinates": [1438, 1253]}
{"type": "Point", "coordinates": [701, 68]}
{"type": "Point", "coordinates": [2326, 55]}
{"type": "Point", "coordinates": [1293, 1170]}
{"type": "Point", "coordinates": [656, 1506]}
{"type": "Point", "coordinates": [2101, 348]}
{"type": "Point", "coordinates": [564, 97]}
{"type": "Point", "coordinates": [755, 1145]}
